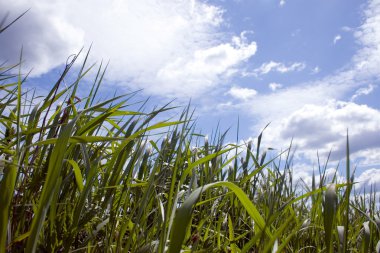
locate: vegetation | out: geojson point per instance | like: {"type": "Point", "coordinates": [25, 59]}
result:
{"type": "Point", "coordinates": [90, 176]}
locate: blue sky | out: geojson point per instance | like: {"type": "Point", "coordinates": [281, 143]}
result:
{"type": "Point", "coordinates": [310, 68]}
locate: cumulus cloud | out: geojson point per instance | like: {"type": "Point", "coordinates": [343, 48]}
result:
{"type": "Point", "coordinates": [315, 112]}
{"type": "Point", "coordinates": [274, 86]}
{"type": "Point", "coordinates": [287, 100]}
{"type": "Point", "coordinates": [168, 48]}
{"type": "Point", "coordinates": [242, 93]}
{"type": "Point", "coordinates": [368, 180]}
{"type": "Point", "coordinates": [367, 59]}
{"type": "Point", "coordinates": [47, 40]}
{"type": "Point", "coordinates": [316, 124]}
{"type": "Point", "coordinates": [324, 128]}
{"type": "Point", "coordinates": [204, 69]}
{"type": "Point", "coordinates": [280, 67]}
{"type": "Point", "coordinates": [318, 113]}
{"type": "Point", "coordinates": [367, 157]}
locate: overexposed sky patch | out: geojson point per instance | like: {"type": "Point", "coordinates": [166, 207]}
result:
{"type": "Point", "coordinates": [172, 49]}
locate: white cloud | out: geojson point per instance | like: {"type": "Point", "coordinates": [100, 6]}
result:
{"type": "Point", "coordinates": [203, 69]}
{"type": "Point", "coordinates": [313, 111]}
{"type": "Point", "coordinates": [367, 59]}
{"type": "Point", "coordinates": [323, 128]}
{"type": "Point", "coordinates": [367, 180]}
{"type": "Point", "coordinates": [337, 38]}
{"type": "Point", "coordinates": [282, 2]}
{"type": "Point", "coordinates": [363, 91]}
{"type": "Point", "coordinates": [274, 86]}
{"type": "Point", "coordinates": [178, 50]}
{"type": "Point", "coordinates": [242, 93]}
{"type": "Point", "coordinates": [367, 157]}
{"type": "Point", "coordinates": [317, 113]}
{"type": "Point", "coordinates": [290, 99]}
{"type": "Point", "coordinates": [268, 67]}
{"type": "Point", "coordinates": [167, 48]}
{"type": "Point", "coordinates": [47, 39]}
{"type": "Point", "coordinates": [317, 122]}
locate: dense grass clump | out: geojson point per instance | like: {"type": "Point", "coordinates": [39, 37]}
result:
{"type": "Point", "coordinates": [90, 176]}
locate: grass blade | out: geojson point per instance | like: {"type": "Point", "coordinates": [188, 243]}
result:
{"type": "Point", "coordinates": [183, 214]}
{"type": "Point", "coordinates": [54, 170]}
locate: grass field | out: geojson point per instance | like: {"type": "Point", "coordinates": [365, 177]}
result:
{"type": "Point", "coordinates": [82, 175]}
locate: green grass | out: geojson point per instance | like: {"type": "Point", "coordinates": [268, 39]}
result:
{"type": "Point", "coordinates": [87, 176]}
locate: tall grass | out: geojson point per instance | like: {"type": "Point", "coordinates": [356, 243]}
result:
{"type": "Point", "coordinates": [87, 176]}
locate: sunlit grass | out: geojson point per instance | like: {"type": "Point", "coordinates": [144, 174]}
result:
{"type": "Point", "coordinates": [87, 176]}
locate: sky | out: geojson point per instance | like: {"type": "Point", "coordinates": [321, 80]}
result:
{"type": "Point", "coordinates": [309, 68]}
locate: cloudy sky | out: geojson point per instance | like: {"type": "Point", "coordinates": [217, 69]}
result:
{"type": "Point", "coordinates": [310, 68]}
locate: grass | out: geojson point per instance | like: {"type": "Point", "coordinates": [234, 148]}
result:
{"type": "Point", "coordinates": [88, 176]}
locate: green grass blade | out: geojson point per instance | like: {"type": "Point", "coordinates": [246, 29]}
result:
{"type": "Point", "coordinates": [7, 186]}
{"type": "Point", "coordinates": [77, 174]}
{"type": "Point", "coordinates": [54, 170]}
{"type": "Point", "coordinates": [184, 213]}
